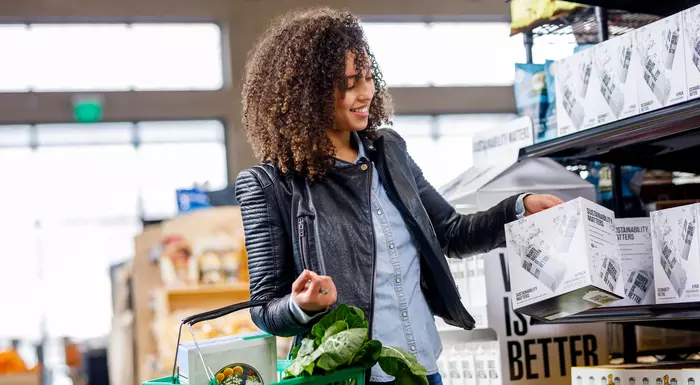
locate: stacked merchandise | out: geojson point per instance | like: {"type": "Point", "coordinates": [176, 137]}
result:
{"type": "Point", "coordinates": [676, 254]}
{"type": "Point", "coordinates": [15, 371]}
{"type": "Point", "coordinates": [686, 373]}
{"type": "Point", "coordinates": [470, 278]}
{"type": "Point", "coordinates": [475, 363]}
{"type": "Point", "coordinates": [564, 260]}
{"type": "Point", "coordinates": [652, 67]}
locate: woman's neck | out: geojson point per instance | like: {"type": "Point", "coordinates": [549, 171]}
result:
{"type": "Point", "coordinates": [342, 141]}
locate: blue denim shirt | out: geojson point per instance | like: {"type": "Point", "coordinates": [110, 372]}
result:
{"type": "Point", "coordinates": [402, 316]}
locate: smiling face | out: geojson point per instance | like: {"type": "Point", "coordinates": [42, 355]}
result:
{"type": "Point", "coordinates": [352, 109]}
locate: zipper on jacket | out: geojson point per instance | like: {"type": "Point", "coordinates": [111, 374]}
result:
{"type": "Point", "coordinates": [303, 242]}
{"type": "Point", "coordinates": [374, 247]}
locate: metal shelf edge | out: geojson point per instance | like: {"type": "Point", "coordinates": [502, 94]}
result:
{"type": "Point", "coordinates": [647, 127]}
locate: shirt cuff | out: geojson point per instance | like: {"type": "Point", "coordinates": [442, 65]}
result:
{"type": "Point", "coordinates": [300, 315]}
{"type": "Point", "coordinates": [520, 206]}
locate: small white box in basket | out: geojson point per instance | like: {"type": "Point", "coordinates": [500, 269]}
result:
{"type": "Point", "coordinates": [564, 260]}
{"type": "Point", "coordinates": [661, 53]}
{"type": "Point", "coordinates": [246, 358]}
{"type": "Point", "coordinates": [676, 254]}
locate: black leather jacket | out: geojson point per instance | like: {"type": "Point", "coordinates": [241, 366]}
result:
{"type": "Point", "coordinates": [292, 224]}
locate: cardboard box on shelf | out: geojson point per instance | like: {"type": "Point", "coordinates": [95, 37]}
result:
{"type": "Point", "coordinates": [637, 281]}
{"type": "Point", "coordinates": [564, 260]}
{"type": "Point", "coordinates": [575, 83]}
{"type": "Point", "coordinates": [676, 254]}
{"type": "Point", "coordinates": [617, 69]}
{"type": "Point", "coordinates": [691, 36]}
{"type": "Point", "coordinates": [661, 53]}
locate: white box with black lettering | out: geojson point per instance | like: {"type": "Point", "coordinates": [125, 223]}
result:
{"type": "Point", "coordinates": [617, 68]}
{"type": "Point", "coordinates": [661, 54]}
{"type": "Point", "coordinates": [576, 106]}
{"type": "Point", "coordinates": [691, 36]}
{"type": "Point", "coordinates": [564, 260]}
{"type": "Point", "coordinates": [637, 283]}
{"type": "Point", "coordinates": [676, 254]}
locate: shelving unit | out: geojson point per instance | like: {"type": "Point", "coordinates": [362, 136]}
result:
{"type": "Point", "coordinates": [205, 296]}
{"type": "Point", "coordinates": [665, 139]}
{"type": "Point", "coordinates": [660, 8]}
{"type": "Point", "coordinates": [583, 24]}
{"type": "Point", "coordinates": [684, 316]}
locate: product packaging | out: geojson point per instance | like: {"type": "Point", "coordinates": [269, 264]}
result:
{"type": "Point", "coordinates": [575, 111]}
{"type": "Point", "coordinates": [551, 116]}
{"type": "Point", "coordinates": [531, 96]}
{"type": "Point", "coordinates": [617, 70]}
{"type": "Point", "coordinates": [691, 36]}
{"type": "Point", "coordinates": [661, 54]}
{"type": "Point", "coordinates": [634, 238]}
{"type": "Point", "coordinates": [243, 359]}
{"type": "Point", "coordinates": [671, 373]}
{"type": "Point", "coordinates": [676, 254]}
{"type": "Point", "coordinates": [564, 260]}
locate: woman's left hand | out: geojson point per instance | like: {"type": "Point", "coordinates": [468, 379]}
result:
{"type": "Point", "coordinates": [538, 202]}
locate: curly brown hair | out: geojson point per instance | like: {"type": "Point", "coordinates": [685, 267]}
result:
{"type": "Point", "coordinates": [290, 79]}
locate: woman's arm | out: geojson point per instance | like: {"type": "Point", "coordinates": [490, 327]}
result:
{"type": "Point", "coordinates": [461, 235]}
{"type": "Point", "coordinates": [270, 262]}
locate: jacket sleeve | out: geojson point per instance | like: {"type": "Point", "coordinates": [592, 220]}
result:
{"type": "Point", "coordinates": [462, 235]}
{"type": "Point", "coordinates": [270, 261]}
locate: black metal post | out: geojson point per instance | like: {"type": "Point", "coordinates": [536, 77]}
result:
{"type": "Point", "coordinates": [629, 340]}
{"type": "Point", "coordinates": [528, 41]}
{"type": "Point", "coordinates": [601, 15]}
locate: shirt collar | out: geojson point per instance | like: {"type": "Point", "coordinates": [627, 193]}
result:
{"type": "Point", "coordinates": [361, 151]}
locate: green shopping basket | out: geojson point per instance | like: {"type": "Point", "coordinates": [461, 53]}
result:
{"type": "Point", "coordinates": [352, 376]}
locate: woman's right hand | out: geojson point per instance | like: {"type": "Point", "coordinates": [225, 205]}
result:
{"type": "Point", "coordinates": [313, 293]}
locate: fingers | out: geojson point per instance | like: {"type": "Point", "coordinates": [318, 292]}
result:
{"type": "Point", "coordinates": [554, 200]}
{"type": "Point", "coordinates": [299, 284]}
{"type": "Point", "coordinates": [313, 292]}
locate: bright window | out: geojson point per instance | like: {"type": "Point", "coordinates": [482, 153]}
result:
{"type": "Point", "coordinates": [442, 145]}
{"type": "Point", "coordinates": [456, 54]}
{"type": "Point", "coordinates": [548, 47]}
{"type": "Point", "coordinates": [444, 54]}
{"type": "Point", "coordinates": [110, 57]}
{"type": "Point", "coordinates": [74, 199]}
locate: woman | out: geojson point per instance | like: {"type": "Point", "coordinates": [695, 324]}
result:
{"type": "Point", "coordinates": [338, 211]}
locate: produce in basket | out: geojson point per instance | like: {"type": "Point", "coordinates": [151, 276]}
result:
{"type": "Point", "coordinates": [340, 341]}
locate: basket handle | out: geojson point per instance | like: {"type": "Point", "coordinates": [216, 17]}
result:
{"type": "Point", "coordinates": [206, 316]}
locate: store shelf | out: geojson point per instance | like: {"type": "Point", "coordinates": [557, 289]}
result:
{"type": "Point", "coordinates": [466, 336]}
{"type": "Point", "coordinates": [684, 316]}
{"type": "Point", "coordinates": [201, 297]}
{"type": "Point", "coordinates": [582, 23]}
{"type": "Point", "coordinates": [660, 8]}
{"type": "Point", "coordinates": [665, 139]}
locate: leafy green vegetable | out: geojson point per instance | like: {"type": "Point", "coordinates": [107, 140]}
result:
{"type": "Point", "coordinates": [338, 349]}
{"type": "Point", "coordinates": [336, 328]}
{"type": "Point", "coordinates": [352, 316]}
{"type": "Point", "coordinates": [368, 354]}
{"type": "Point", "coordinates": [403, 366]}
{"type": "Point", "coordinates": [307, 347]}
{"type": "Point", "coordinates": [339, 341]}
